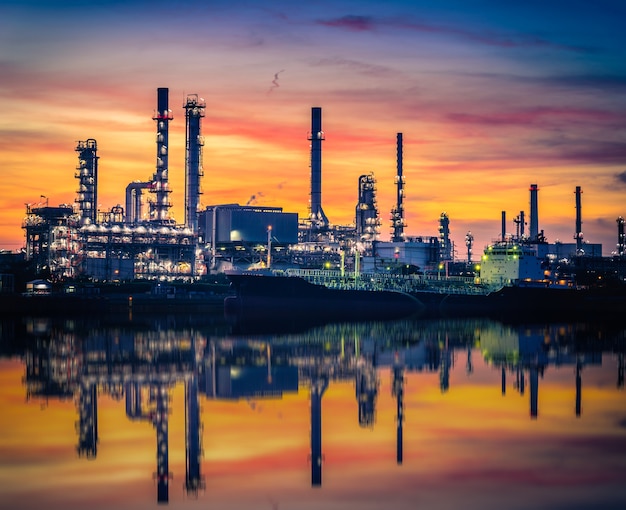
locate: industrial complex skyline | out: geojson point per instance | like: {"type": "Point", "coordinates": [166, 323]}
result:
{"type": "Point", "coordinates": [489, 97]}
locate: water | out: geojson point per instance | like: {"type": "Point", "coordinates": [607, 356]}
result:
{"type": "Point", "coordinates": [184, 411]}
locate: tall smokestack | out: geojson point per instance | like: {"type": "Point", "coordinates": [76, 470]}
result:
{"type": "Point", "coordinates": [397, 212]}
{"type": "Point", "coordinates": [163, 115]}
{"type": "Point", "coordinates": [579, 222]}
{"type": "Point", "coordinates": [503, 235]}
{"type": "Point", "coordinates": [534, 212]}
{"type": "Point", "coordinates": [317, 216]}
{"type": "Point", "coordinates": [194, 111]}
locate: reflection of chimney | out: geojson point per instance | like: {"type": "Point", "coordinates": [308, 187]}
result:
{"type": "Point", "coordinates": [193, 437]}
{"type": "Point", "coordinates": [398, 392]}
{"type": "Point", "coordinates": [503, 381]}
{"type": "Point", "coordinates": [534, 390]}
{"type": "Point", "coordinates": [316, 137]}
{"type": "Point", "coordinates": [534, 211]}
{"type": "Point", "coordinates": [318, 386]}
{"type": "Point", "coordinates": [578, 388]}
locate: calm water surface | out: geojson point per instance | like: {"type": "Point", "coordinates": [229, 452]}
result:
{"type": "Point", "coordinates": [189, 413]}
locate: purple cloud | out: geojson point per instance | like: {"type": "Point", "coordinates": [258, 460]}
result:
{"type": "Point", "coordinates": [354, 65]}
{"type": "Point", "coordinates": [356, 23]}
{"type": "Point", "coordinates": [350, 22]}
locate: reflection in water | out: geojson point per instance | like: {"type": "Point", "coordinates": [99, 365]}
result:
{"type": "Point", "coordinates": [141, 365]}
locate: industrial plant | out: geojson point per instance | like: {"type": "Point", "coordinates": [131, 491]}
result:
{"type": "Point", "coordinates": [141, 240]}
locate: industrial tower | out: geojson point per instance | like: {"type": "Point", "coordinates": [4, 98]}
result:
{"type": "Point", "coordinates": [87, 175]}
{"type": "Point", "coordinates": [163, 115]}
{"type": "Point", "coordinates": [534, 214]}
{"type": "Point", "coordinates": [621, 237]}
{"type": "Point", "coordinates": [397, 212]}
{"type": "Point", "coordinates": [578, 236]}
{"type": "Point", "coordinates": [445, 245]}
{"type": "Point", "coordinates": [194, 141]}
{"type": "Point", "coordinates": [367, 220]}
{"type": "Point", "coordinates": [318, 219]}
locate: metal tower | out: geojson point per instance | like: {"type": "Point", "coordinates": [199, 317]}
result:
{"type": "Point", "coordinates": [520, 222]}
{"type": "Point", "coordinates": [194, 141]}
{"type": "Point", "coordinates": [469, 242]}
{"type": "Point", "coordinates": [445, 245]}
{"type": "Point", "coordinates": [163, 115]}
{"type": "Point", "coordinates": [316, 137]}
{"type": "Point", "coordinates": [579, 222]}
{"type": "Point", "coordinates": [621, 237]}
{"type": "Point", "coordinates": [87, 175]}
{"type": "Point", "coordinates": [534, 213]}
{"type": "Point", "coordinates": [397, 212]}
{"type": "Point", "coordinates": [367, 220]}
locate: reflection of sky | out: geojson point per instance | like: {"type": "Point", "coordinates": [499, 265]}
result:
{"type": "Point", "coordinates": [491, 96]}
{"type": "Point", "coordinates": [469, 447]}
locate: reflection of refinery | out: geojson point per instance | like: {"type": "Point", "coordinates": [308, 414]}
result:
{"type": "Point", "coordinates": [140, 240]}
{"type": "Point", "coordinates": [141, 367]}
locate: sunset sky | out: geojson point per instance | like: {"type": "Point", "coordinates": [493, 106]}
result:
{"type": "Point", "coordinates": [490, 97]}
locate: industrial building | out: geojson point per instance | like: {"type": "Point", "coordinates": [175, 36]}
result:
{"type": "Point", "coordinates": [141, 240]}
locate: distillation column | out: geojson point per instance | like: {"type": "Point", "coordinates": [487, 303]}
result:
{"type": "Point", "coordinates": [194, 141]}
{"type": "Point", "coordinates": [445, 245]}
{"type": "Point", "coordinates": [316, 137]}
{"type": "Point", "coordinates": [367, 221]}
{"type": "Point", "coordinates": [87, 175]}
{"type": "Point", "coordinates": [579, 222]}
{"type": "Point", "coordinates": [397, 212]}
{"type": "Point", "coordinates": [160, 187]}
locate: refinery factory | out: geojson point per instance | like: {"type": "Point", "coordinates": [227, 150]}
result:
{"type": "Point", "coordinates": [141, 240]}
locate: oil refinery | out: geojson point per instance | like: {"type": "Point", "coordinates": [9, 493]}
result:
{"type": "Point", "coordinates": [141, 241]}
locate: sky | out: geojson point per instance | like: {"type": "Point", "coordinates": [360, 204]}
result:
{"type": "Point", "coordinates": [490, 97]}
